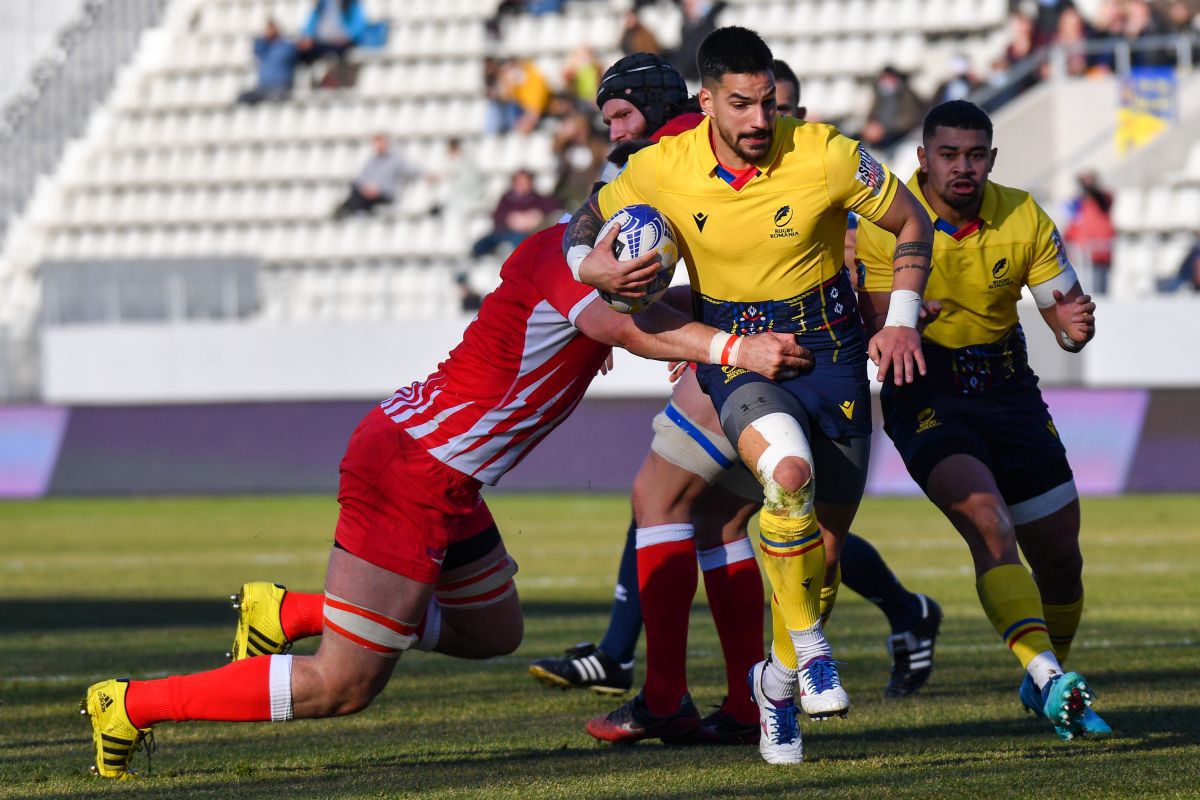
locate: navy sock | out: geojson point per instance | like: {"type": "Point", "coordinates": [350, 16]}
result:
{"type": "Point", "coordinates": [625, 625]}
{"type": "Point", "coordinates": [865, 572]}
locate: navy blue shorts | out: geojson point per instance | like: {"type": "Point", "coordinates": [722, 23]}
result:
{"type": "Point", "coordinates": [1008, 428]}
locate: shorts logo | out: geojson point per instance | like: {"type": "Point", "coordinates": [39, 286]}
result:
{"type": "Point", "coordinates": [783, 219]}
{"type": "Point", "coordinates": [847, 407]}
{"type": "Point", "coordinates": [733, 372]}
{"type": "Point", "coordinates": [999, 270]}
{"type": "Point", "coordinates": [926, 420]}
{"type": "Point", "coordinates": [700, 218]}
{"type": "Point", "coordinates": [437, 555]}
{"type": "Point", "coordinates": [870, 173]}
{"type": "Point", "coordinates": [1050, 427]}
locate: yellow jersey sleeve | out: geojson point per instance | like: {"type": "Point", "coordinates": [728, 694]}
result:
{"type": "Point", "coordinates": [856, 181]}
{"type": "Point", "coordinates": [1049, 252]}
{"type": "Point", "coordinates": [637, 183]}
{"type": "Point", "coordinates": [873, 250]}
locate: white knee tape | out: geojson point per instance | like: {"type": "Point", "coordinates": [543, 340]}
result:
{"type": "Point", "coordinates": [785, 439]}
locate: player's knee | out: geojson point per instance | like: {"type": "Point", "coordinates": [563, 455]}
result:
{"type": "Point", "coordinates": [990, 518]}
{"type": "Point", "coordinates": [1059, 567]}
{"type": "Point", "coordinates": [792, 473]}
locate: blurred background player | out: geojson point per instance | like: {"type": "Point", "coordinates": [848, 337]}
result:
{"type": "Point", "coordinates": [973, 431]}
{"type": "Point", "coordinates": [688, 454]}
{"type": "Point", "coordinates": [417, 560]}
{"type": "Point", "coordinates": [725, 178]}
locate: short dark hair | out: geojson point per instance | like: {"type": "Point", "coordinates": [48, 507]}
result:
{"type": "Point", "coordinates": [961, 114]}
{"type": "Point", "coordinates": [783, 73]}
{"type": "Point", "coordinates": [732, 49]}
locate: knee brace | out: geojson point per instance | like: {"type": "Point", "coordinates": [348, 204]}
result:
{"type": "Point", "coordinates": [366, 628]}
{"type": "Point", "coordinates": [785, 438]}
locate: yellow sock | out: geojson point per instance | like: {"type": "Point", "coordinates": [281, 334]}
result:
{"type": "Point", "coordinates": [1013, 604]}
{"type": "Point", "coordinates": [1061, 624]}
{"type": "Point", "coordinates": [782, 649]}
{"type": "Point", "coordinates": [829, 595]}
{"type": "Point", "coordinates": [794, 560]}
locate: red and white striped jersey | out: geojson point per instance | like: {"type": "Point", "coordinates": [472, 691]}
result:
{"type": "Point", "coordinates": [519, 371]}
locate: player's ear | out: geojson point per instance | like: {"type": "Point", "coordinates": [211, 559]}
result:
{"type": "Point", "coordinates": [921, 158]}
{"type": "Point", "coordinates": [992, 166]}
{"type": "Point", "coordinates": [705, 97]}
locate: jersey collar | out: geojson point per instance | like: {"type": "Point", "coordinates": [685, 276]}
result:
{"type": "Point", "coordinates": [706, 158]}
{"type": "Point", "coordinates": [987, 209]}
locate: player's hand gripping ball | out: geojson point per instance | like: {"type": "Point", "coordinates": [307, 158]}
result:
{"type": "Point", "coordinates": [643, 230]}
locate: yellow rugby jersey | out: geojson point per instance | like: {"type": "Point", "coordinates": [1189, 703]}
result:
{"type": "Point", "coordinates": [778, 236]}
{"type": "Point", "coordinates": [979, 277]}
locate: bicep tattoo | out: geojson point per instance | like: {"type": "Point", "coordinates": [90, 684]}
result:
{"type": "Point", "coordinates": [584, 225]}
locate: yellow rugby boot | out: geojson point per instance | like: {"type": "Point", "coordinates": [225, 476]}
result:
{"type": "Point", "coordinates": [115, 737]}
{"type": "Point", "coordinates": [259, 629]}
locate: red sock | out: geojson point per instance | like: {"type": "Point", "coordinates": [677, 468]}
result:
{"type": "Point", "coordinates": [666, 560]}
{"type": "Point", "coordinates": [735, 597]}
{"type": "Point", "coordinates": [237, 692]}
{"type": "Point", "coordinates": [302, 615]}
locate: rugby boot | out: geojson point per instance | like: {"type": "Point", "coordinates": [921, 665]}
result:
{"type": "Point", "coordinates": [779, 739]}
{"type": "Point", "coordinates": [912, 652]}
{"type": "Point", "coordinates": [1088, 724]}
{"type": "Point", "coordinates": [720, 727]}
{"type": "Point", "coordinates": [821, 692]}
{"type": "Point", "coordinates": [114, 735]}
{"type": "Point", "coordinates": [633, 722]}
{"type": "Point", "coordinates": [259, 628]}
{"type": "Point", "coordinates": [585, 666]}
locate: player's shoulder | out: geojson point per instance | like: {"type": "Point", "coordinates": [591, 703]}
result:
{"type": "Point", "coordinates": [1016, 205]}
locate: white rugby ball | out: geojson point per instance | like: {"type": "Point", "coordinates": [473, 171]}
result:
{"type": "Point", "coordinates": [643, 230]}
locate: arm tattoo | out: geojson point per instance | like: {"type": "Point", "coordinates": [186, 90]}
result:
{"type": "Point", "coordinates": [584, 225]}
{"type": "Point", "coordinates": [922, 267]}
{"type": "Point", "coordinates": [914, 249]}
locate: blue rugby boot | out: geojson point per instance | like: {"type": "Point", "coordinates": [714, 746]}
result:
{"type": "Point", "coordinates": [1089, 723]}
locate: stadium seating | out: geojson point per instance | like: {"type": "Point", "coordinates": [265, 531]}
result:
{"type": "Point", "coordinates": [172, 167]}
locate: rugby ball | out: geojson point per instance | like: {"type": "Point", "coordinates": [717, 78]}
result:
{"type": "Point", "coordinates": [643, 230]}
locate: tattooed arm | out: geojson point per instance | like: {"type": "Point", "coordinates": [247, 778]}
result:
{"type": "Point", "coordinates": [598, 267]}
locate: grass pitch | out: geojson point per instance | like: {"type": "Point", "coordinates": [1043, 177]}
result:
{"type": "Point", "coordinates": [91, 589]}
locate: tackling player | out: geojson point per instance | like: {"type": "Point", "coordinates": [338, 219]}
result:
{"type": "Point", "coordinates": [973, 430]}
{"type": "Point", "coordinates": [761, 206]}
{"type": "Point", "coordinates": [417, 560]}
{"type": "Point", "coordinates": [688, 454]}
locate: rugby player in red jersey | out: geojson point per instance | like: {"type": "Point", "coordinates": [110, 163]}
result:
{"type": "Point", "coordinates": [417, 560]}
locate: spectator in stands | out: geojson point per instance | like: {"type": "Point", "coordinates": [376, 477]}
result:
{"type": "Point", "coordinates": [1142, 22]}
{"type": "Point", "coordinates": [895, 109]}
{"type": "Point", "coordinates": [378, 181]}
{"type": "Point", "coordinates": [1188, 279]}
{"type": "Point", "coordinates": [1072, 34]}
{"type": "Point", "coordinates": [581, 74]}
{"type": "Point", "coordinates": [959, 85]}
{"type": "Point", "coordinates": [518, 97]}
{"type": "Point", "coordinates": [1091, 229]}
{"type": "Point", "coordinates": [578, 151]}
{"type": "Point", "coordinates": [520, 212]}
{"type": "Point", "coordinates": [332, 28]}
{"type": "Point", "coordinates": [276, 57]}
{"type": "Point", "coordinates": [1045, 17]}
{"type": "Point", "coordinates": [699, 20]}
{"type": "Point", "coordinates": [458, 185]}
{"type": "Point", "coordinates": [468, 299]}
{"type": "Point", "coordinates": [636, 37]}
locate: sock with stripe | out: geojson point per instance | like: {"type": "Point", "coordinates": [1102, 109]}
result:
{"type": "Point", "coordinates": [865, 572]}
{"type": "Point", "coordinates": [250, 690]}
{"type": "Point", "coordinates": [625, 623]}
{"type": "Point", "coordinates": [735, 597]}
{"type": "Point", "coordinates": [829, 594]}
{"type": "Point", "coordinates": [666, 556]}
{"type": "Point", "coordinates": [1062, 621]}
{"type": "Point", "coordinates": [794, 559]}
{"type": "Point", "coordinates": [302, 615]}
{"type": "Point", "coordinates": [1013, 605]}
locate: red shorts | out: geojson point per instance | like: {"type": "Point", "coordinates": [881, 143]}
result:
{"type": "Point", "coordinates": [401, 507]}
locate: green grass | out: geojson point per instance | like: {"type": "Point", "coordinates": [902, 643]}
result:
{"type": "Point", "coordinates": [95, 588]}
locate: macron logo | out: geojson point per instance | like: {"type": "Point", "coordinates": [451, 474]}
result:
{"type": "Point", "coordinates": [700, 218]}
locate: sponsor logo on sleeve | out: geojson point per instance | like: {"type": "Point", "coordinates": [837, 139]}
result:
{"type": "Point", "coordinates": [870, 171]}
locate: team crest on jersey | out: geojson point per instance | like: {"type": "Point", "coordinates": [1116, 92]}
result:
{"type": "Point", "coordinates": [999, 271]}
{"type": "Point", "coordinates": [783, 222]}
{"type": "Point", "coordinates": [870, 171]}
{"type": "Point", "coordinates": [927, 420]}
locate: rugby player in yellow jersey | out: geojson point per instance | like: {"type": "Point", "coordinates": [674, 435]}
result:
{"type": "Point", "coordinates": [760, 205]}
{"type": "Point", "coordinates": [974, 431]}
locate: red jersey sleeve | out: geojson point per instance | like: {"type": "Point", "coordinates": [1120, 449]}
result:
{"type": "Point", "coordinates": [540, 260]}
